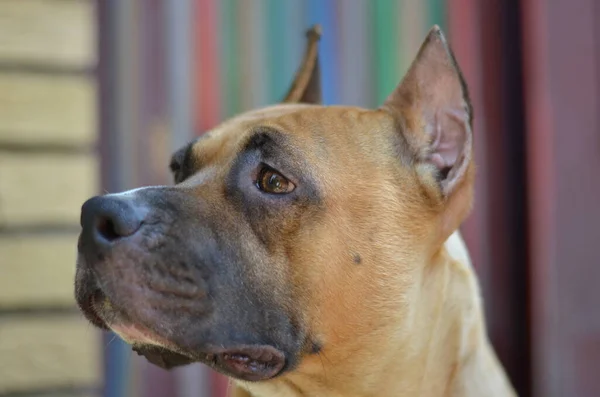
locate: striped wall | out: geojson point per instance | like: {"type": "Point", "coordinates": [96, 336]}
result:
{"type": "Point", "coordinates": [173, 69]}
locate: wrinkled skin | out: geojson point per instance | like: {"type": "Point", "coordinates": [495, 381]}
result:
{"type": "Point", "coordinates": [306, 250]}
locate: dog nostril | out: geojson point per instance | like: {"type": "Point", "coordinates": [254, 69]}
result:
{"type": "Point", "coordinates": [106, 228]}
{"type": "Point", "coordinates": [106, 220]}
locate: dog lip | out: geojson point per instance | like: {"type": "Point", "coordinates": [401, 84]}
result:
{"type": "Point", "coordinates": [250, 363]}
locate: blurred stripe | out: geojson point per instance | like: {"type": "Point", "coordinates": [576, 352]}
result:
{"type": "Point", "coordinates": [276, 33]}
{"type": "Point", "coordinates": [178, 37]}
{"type": "Point", "coordinates": [357, 86]}
{"type": "Point", "coordinates": [437, 13]}
{"type": "Point", "coordinates": [295, 41]}
{"type": "Point", "coordinates": [253, 69]}
{"type": "Point", "coordinates": [228, 48]}
{"type": "Point", "coordinates": [324, 13]}
{"type": "Point", "coordinates": [413, 28]}
{"type": "Point", "coordinates": [206, 65]}
{"type": "Point", "coordinates": [386, 47]}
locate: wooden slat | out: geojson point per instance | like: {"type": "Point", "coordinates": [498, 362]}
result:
{"type": "Point", "coordinates": [357, 86]}
{"type": "Point", "coordinates": [37, 270]}
{"type": "Point", "coordinates": [207, 78]}
{"type": "Point", "coordinates": [43, 109]}
{"type": "Point", "coordinates": [48, 33]}
{"type": "Point", "coordinates": [251, 18]}
{"type": "Point", "coordinates": [229, 51]}
{"type": "Point", "coordinates": [48, 352]}
{"type": "Point", "coordinates": [562, 77]}
{"type": "Point", "coordinates": [324, 12]}
{"type": "Point", "coordinates": [386, 47]}
{"type": "Point", "coordinates": [45, 189]}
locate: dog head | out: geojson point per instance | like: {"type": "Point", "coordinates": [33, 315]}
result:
{"type": "Point", "coordinates": [290, 231]}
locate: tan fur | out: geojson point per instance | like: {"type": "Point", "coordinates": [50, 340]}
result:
{"type": "Point", "coordinates": [408, 320]}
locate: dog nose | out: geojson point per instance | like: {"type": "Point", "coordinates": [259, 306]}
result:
{"type": "Point", "coordinates": [107, 219]}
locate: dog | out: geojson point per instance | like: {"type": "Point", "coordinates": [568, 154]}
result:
{"type": "Point", "coordinates": [307, 250]}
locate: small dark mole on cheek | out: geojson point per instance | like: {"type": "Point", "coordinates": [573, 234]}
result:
{"type": "Point", "coordinates": [316, 348]}
{"type": "Point", "coordinates": [357, 259]}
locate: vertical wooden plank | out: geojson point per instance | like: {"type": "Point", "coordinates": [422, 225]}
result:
{"type": "Point", "coordinates": [276, 48]}
{"type": "Point", "coordinates": [505, 157]}
{"type": "Point", "coordinates": [324, 13]}
{"type": "Point", "coordinates": [357, 86]}
{"type": "Point", "coordinates": [437, 13]}
{"type": "Point", "coordinates": [179, 74]}
{"type": "Point", "coordinates": [253, 84]}
{"type": "Point", "coordinates": [228, 47]}
{"type": "Point", "coordinates": [542, 201]}
{"type": "Point", "coordinates": [385, 13]}
{"type": "Point", "coordinates": [564, 153]}
{"type": "Point", "coordinates": [207, 93]}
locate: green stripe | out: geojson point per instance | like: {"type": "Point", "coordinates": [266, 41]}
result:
{"type": "Point", "coordinates": [276, 34]}
{"type": "Point", "coordinates": [230, 74]}
{"type": "Point", "coordinates": [386, 46]}
{"type": "Point", "coordinates": [437, 13]}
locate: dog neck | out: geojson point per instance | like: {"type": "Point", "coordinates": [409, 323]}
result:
{"type": "Point", "coordinates": [439, 349]}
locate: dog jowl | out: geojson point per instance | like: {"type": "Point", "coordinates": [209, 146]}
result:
{"type": "Point", "coordinates": [307, 250]}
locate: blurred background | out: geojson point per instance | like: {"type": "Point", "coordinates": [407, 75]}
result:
{"type": "Point", "coordinates": [95, 95]}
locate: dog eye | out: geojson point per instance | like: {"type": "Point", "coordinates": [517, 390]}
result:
{"type": "Point", "coordinates": [271, 181]}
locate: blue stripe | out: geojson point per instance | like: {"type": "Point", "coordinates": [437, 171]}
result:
{"type": "Point", "coordinates": [357, 86]}
{"type": "Point", "coordinates": [117, 366]}
{"type": "Point", "coordinates": [324, 13]}
{"type": "Point", "coordinates": [276, 50]}
{"type": "Point", "coordinates": [178, 37]}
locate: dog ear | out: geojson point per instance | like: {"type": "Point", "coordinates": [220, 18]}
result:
{"type": "Point", "coordinates": [306, 87]}
{"type": "Point", "coordinates": [434, 114]}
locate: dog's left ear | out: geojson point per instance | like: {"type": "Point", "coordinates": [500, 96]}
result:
{"type": "Point", "coordinates": [306, 87]}
{"type": "Point", "coordinates": [434, 116]}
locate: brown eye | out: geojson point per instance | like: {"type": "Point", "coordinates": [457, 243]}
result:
{"type": "Point", "coordinates": [270, 181]}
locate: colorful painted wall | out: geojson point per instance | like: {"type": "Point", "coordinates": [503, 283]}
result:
{"type": "Point", "coordinates": [96, 95]}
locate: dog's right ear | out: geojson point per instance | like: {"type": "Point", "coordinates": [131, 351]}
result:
{"type": "Point", "coordinates": [306, 87]}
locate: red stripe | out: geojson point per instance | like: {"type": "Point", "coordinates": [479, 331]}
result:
{"type": "Point", "coordinates": [541, 191]}
{"type": "Point", "coordinates": [206, 59]}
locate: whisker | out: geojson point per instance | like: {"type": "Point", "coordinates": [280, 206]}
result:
{"type": "Point", "coordinates": [110, 341]}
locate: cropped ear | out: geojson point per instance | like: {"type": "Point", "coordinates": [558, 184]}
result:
{"type": "Point", "coordinates": [434, 115]}
{"type": "Point", "coordinates": [306, 87]}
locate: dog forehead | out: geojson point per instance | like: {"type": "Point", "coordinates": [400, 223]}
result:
{"type": "Point", "coordinates": [226, 136]}
{"type": "Point", "coordinates": [316, 134]}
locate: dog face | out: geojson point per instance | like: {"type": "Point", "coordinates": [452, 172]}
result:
{"type": "Point", "coordinates": [291, 232]}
